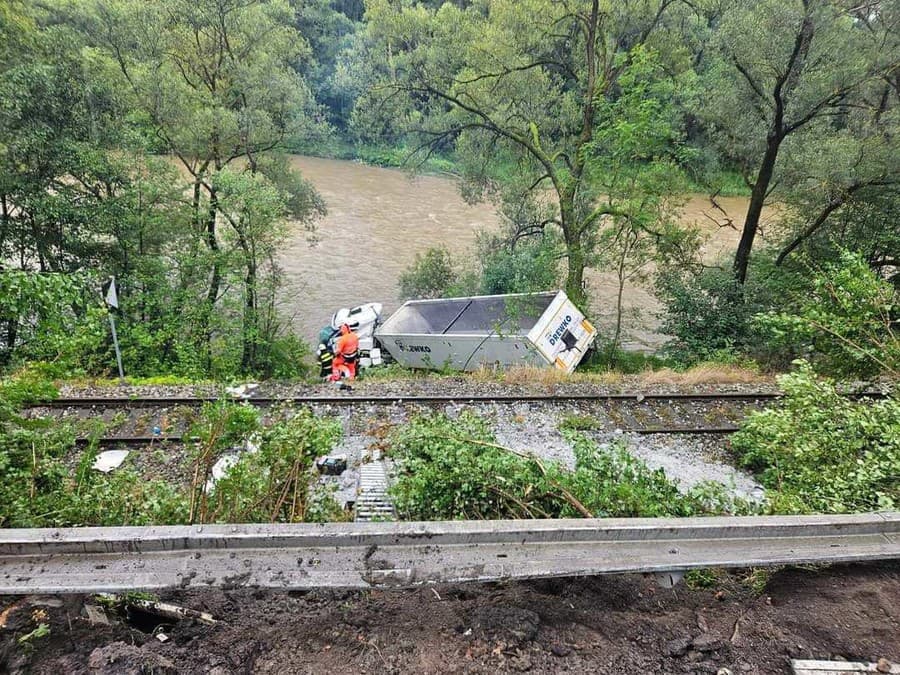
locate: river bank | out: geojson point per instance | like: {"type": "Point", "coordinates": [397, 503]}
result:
{"type": "Point", "coordinates": [380, 218]}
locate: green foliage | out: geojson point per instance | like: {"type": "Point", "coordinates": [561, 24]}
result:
{"type": "Point", "coordinates": [273, 483]}
{"type": "Point", "coordinates": [223, 425]}
{"type": "Point", "coordinates": [273, 480]}
{"type": "Point", "coordinates": [38, 313]}
{"type": "Point", "coordinates": [39, 488]}
{"type": "Point", "coordinates": [819, 452]}
{"type": "Point", "coordinates": [432, 275]}
{"type": "Point", "coordinates": [613, 483]}
{"type": "Point", "coordinates": [525, 266]}
{"type": "Point", "coordinates": [448, 471]}
{"type": "Point", "coordinates": [42, 630]}
{"type": "Point", "coordinates": [503, 266]}
{"type": "Point", "coordinates": [706, 313]}
{"type": "Point", "coordinates": [610, 358]}
{"type": "Point", "coordinates": [845, 323]}
{"type": "Point", "coordinates": [26, 386]}
{"type": "Point", "coordinates": [454, 469]}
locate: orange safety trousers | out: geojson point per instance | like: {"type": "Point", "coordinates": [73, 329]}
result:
{"type": "Point", "coordinates": [346, 355]}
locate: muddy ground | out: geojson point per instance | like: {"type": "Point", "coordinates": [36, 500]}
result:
{"type": "Point", "coordinates": [616, 624]}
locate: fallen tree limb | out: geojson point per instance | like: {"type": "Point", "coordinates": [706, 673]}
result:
{"type": "Point", "coordinates": [573, 501]}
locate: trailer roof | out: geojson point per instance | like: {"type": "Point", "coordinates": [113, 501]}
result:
{"type": "Point", "coordinates": [478, 315]}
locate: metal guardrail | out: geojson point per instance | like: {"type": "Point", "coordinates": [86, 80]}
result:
{"type": "Point", "coordinates": [401, 554]}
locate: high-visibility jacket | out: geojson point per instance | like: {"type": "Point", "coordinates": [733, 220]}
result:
{"type": "Point", "coordinates": [347, 346]}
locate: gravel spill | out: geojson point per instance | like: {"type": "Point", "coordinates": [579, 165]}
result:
{"type": "Point", "coordinates": [688, 459]}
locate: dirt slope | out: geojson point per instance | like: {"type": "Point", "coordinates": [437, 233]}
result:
{"type": "Point", "coordinates": [622, 624]}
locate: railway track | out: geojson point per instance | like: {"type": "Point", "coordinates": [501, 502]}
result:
{"type": "Point", "coordinates": [140, 441]}
{"type": "Point", "coordinates": [350, 400]}
{"type": "Point", "coordinates": [638, 413]}
{"type": "Point", "coordinates": [394, 555]}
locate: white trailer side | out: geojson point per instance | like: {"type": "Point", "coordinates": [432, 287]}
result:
{"type": "Point", "coordinates": [537, 329]}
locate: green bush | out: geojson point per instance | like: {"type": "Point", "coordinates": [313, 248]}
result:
{"type": "Point", "coordinates": [432, 275]}
{"type": "Point", "coordinates": [845, 323]}
{"type": "Point", "coordinates": [705, 313]}
{"type": "Point", "coordinates": [273, 483]}
{"type": "Point", "coordinates": [449, 470]}
{"type": "Point", "coordinates": [819, 452]}
{"type": "Point", "coordinates": [454, 469]}
{"type": "Point", "coordinates": [524, 267]}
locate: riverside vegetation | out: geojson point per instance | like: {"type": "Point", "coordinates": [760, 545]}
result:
{"type": "Point", "coordinates": [148, 141]}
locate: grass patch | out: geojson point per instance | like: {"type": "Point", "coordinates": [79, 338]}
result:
{"type": "Point", "coordinates": [579, 423]}
{"type": "Point", "coordinates": [703, 373]}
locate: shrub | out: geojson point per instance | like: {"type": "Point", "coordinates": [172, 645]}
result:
{"type": "Point", "coordinates": [844, 323]}
{"type": "Point", "coordinates": [819, 452]}
{"type": "Point", "coordinates": [430, 276]}
{"type": "Point", "coordinates": [526, 266]}
{"type": "Point", "coordinates": [273, 483]}
{"type": "Point", "coordinates": [453, 469]}
{"type": "Point", "coordinates": [705, 313]}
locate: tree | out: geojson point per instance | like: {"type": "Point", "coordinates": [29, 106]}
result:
{"type": "Point", "coordinates": [779, 71]}
{"type": "Point", "coordinates": [636, 155]}
{"type": "Point", "coordinates": [216, 79]}
{"type": "Point", "coordinates": [512, 88]}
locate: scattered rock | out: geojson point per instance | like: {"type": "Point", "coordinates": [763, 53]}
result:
{"type": "Point", "coordinates": [119, 658]}
{"type": "Point", "coordinates": [513, 625]}
{"type": "Point", "coordinates": [707, 643]}
{"type": "Point", "coordinates": [558, 649]}
{"type": "Point", "coordinates": [96, 615]}
{"type": "Point", "coordinates": [883, 666]}
{"type": "Point", "coordinates": [521, 663]}
{"type": "Point", "coordinates": [677, 647]}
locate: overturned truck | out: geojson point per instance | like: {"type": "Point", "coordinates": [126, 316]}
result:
{"type": "Point", "coordinates": [534, 329]}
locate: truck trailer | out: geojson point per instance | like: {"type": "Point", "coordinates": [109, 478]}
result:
{"type": "Point", "coordinates": [534, 329]}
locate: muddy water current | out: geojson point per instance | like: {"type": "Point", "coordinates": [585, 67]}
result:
{"type": "Point", "coordinates": [379, 219]}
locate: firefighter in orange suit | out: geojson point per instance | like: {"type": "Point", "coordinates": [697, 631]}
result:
{"type": "Point", "coordinates": [346, 355]}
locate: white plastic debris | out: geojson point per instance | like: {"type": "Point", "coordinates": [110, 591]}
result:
{"type": "Point", "coordinates": [221, 467]}
{"type": "Point", "coordinates": [242, 390]}
{"type": "Point", "coordinates": [109, 460]}
{"type": "Point", "coordinates": [251, 445]}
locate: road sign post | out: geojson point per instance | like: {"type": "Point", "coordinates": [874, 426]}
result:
{"type": "Point", "coordinates": [112, 301]}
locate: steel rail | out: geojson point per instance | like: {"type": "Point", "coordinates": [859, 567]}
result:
{"type": "Point", "coordinates": [405, 554]}
{"type": "Point", "coordinates": [352, 399]}
{"type": "Point", "coordinates": [137, 441]}
{"type": "Point", "coordinates": [190, 401]}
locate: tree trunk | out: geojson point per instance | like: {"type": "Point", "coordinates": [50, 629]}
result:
{"type": "Point", "coordinates": [216, 280]}
{"type": "Point", "coordinates": [574, 251]}
{"type": "Point", "coordinates": [213, 243]}
{"type": "Point", "coordinates": [754, 210]}
{"type": "Point", "coordinates": [621, 274]}
{"type": "Point", "coordinates": [248, 349]}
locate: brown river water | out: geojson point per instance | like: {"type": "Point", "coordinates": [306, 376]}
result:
{"type": "Point", "coordinates": [379, 219]}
